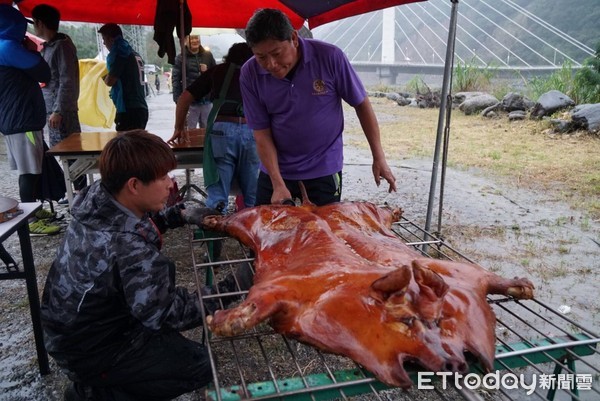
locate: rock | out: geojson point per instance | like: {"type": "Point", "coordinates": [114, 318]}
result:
{"type": "Point", "coordinates": [516, 115]}
{"type": "Point", "coordinates": [477, 103]}
{"type": "Point", "coordinates": [460, 97]}
{"type": "Point", "coordinates": [587, 116]}
{"type": "Point", "coordinates": [550, 102]}
{"type": "Point", "coordinates": [490, 112]}
{"type": "Point", "coordinates": [515, 101]}
{"type": "Point", "coordinates": [402, 101]}
{"type": "Point", "coordinates": [561, 126]}
{"type": "Point", "coordinates": [375, 94]}
{"type": "Point", "coordinates": [392, 96]}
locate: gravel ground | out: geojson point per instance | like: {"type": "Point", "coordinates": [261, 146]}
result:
{"type": "Point", "coordinates": [555, 246]}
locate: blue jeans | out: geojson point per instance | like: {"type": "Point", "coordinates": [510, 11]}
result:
{"type": "Point", "coordinates": [236, 158]}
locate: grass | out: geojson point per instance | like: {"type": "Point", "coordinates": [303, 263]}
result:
{"type": "Point", "coordinates": [523, 153]}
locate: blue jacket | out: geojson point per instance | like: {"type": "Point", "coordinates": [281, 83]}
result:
{"type": "Point", "coordinates": [22, 106]}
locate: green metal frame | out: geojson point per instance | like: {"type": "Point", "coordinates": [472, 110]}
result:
{"type": "Point", "coordinates": [355, 382]}
{"type": "Point", "coordinates": [200, 234]}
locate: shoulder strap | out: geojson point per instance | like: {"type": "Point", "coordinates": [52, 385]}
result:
{"type": "Point", "coordinates": [211, 175]}
{"type": "Point", "coordinates": [218, 102]}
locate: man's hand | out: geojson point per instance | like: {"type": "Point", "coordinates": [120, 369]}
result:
{"type": "Point", "coordinates": [54, 120]}
{"type": "Point", "coordinates": [382, 170]}
{"type": "Point", "coordinates": [180, 135]}
{"type": "Point", "coordinates": [280, 194]}
{"type": "Point", "coordinates": [196, 215]}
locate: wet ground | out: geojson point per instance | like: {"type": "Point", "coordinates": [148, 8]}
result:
{"type": "Point", "coordinates": [509, 230]}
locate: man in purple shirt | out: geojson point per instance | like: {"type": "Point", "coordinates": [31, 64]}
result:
{"type": "Point", "coordinates": [293, 90]}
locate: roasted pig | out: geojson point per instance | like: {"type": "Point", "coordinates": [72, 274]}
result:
{"type": "Point", "coordinates": [336, 277]}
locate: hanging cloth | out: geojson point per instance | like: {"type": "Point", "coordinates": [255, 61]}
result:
{"type": "Point", "coordinates": [168, 17]}
{"type": "Point", "coordinates": [209, 166]}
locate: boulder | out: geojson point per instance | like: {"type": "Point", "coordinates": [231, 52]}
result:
{"type": "Point", "coordinates": [517, 115]}
{"type": "Point", "coordinates": [402, 101]}
{"type": "Point", "coordinates": [376, 94]}
{"type": "Point", "coordinates": [460, 97]}
{"type": "Point", "coordinates": [515, 101]}
{"type": "Point", "coordinates": [550, 102]}
{"type": "Point", "coordinates": [561, 126]}
{"type": "Point", "coordinates": [587, 116]}
{"type": "Point", "coordinates": [490, 112]}
{"type": "Point", "coordinates": [476, 104]}
{"type": "Point", "coordinates": [392, 96]}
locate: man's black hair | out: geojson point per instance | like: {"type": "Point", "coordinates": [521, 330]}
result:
{"type": "Point", "coordinates": [238, 53]}
{"type": "Point", "coordinates": [268, 23]}
{"type": "Point", "coordinates": [48, 15]}
{"type": "Point", "coordinates": [111, 30]}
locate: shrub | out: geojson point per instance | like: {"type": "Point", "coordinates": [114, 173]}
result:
{"type": "Point", "coordinates": [582, 87]}
{"type": "Point", "coordinates": [470, 77]}
{"type": "Point", "coordinates": [587, 80]}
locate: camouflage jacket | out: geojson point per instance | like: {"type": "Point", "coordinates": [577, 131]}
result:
{"type": "Point", "coordinates": [110, 282]}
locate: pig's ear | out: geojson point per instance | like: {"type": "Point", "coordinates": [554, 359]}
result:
{"type": "Point", "coordinates": [432, 289]}
{"type": "Point", "coordinates": [429, 281]}
{"type": "Point", "coordinates": [393, 283]}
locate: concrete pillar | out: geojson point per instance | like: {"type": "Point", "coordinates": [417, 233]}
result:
{"type": "Point", "coordinates": [387, 36]}
{"type": "Point", "coordinates": [387, 76]}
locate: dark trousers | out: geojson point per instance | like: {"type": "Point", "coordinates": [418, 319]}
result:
{"type": "Point", "coordinates": [164, 367]}
{"type": "Point", "coordinates": [321, 191]}
{"type": "Point", "coordinates": [131, 119]}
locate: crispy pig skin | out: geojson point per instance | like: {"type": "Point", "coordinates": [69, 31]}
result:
{"type": "Point", "coordinates": [336, 277]}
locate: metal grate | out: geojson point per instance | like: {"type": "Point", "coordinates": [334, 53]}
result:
{"type": "Point", "coordinates": [533, 341]}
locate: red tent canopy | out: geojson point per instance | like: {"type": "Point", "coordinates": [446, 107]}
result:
{"type": "Point", "coordinates": [211, 14]}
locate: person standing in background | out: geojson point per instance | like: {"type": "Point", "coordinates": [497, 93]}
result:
{"type": "Point", "coordinates": [232, 142]}
{"type": "Point", "coordinates": [126, 80]}
{"type": "Point", "coordinates": [22, 108]}
{"type": "Point", "coordinates": [62, 92]}
{"type": "Point", "coordinates": [197, 61]}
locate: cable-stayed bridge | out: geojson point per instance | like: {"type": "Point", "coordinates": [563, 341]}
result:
{"type": "Point", "coordinates": [412, 39]}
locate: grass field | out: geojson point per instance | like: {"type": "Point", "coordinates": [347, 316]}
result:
{"type": "Point", "coordinates": [526, 153]}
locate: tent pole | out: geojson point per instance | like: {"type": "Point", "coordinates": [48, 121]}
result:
{"type": "Point", "coordinates": [444, 104]}
{"type": "Point", "coordinates": [182, 45]}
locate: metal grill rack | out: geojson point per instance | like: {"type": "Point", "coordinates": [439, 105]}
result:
{"type": "Point", "coordinates": [534, 342]}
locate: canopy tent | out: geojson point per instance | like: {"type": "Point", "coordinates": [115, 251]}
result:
{"type": "Point", "coordinates": [235, 14]}
{"type": "Point", "coordinates": [212, 14]}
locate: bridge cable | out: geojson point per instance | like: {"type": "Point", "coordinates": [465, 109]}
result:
{"type": "Point", "coordinates": [552, 28]}
{"type": "Point", "coordinates": [534, 35]}
{"type": "Point", "coordinates": [373, 31]}
{"type": "Point", "coordinates": [435, 53]}
{"type": "Point", "coordinates": [510, 35]}
{"type": "Point", "coordinates": [495, 40]}
{"type": "Point", "coordinates": [409, 41]}
{"type": "Point", "coordinates": [424, 10]}
{"type": "Point", "coordinates": [466, 32]}
{"type": "Point", "coordinates": [428, 26]}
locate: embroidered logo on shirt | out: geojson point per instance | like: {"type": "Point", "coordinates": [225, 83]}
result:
{"type": "Point", "coordinates": [319, 87]}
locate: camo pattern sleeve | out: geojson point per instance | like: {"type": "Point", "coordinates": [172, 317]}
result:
{"type": "Point", "coordinates": [110, 278]}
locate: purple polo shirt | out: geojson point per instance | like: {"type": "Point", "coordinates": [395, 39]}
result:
{"type": "Point", "coordinates": [305, 113]}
